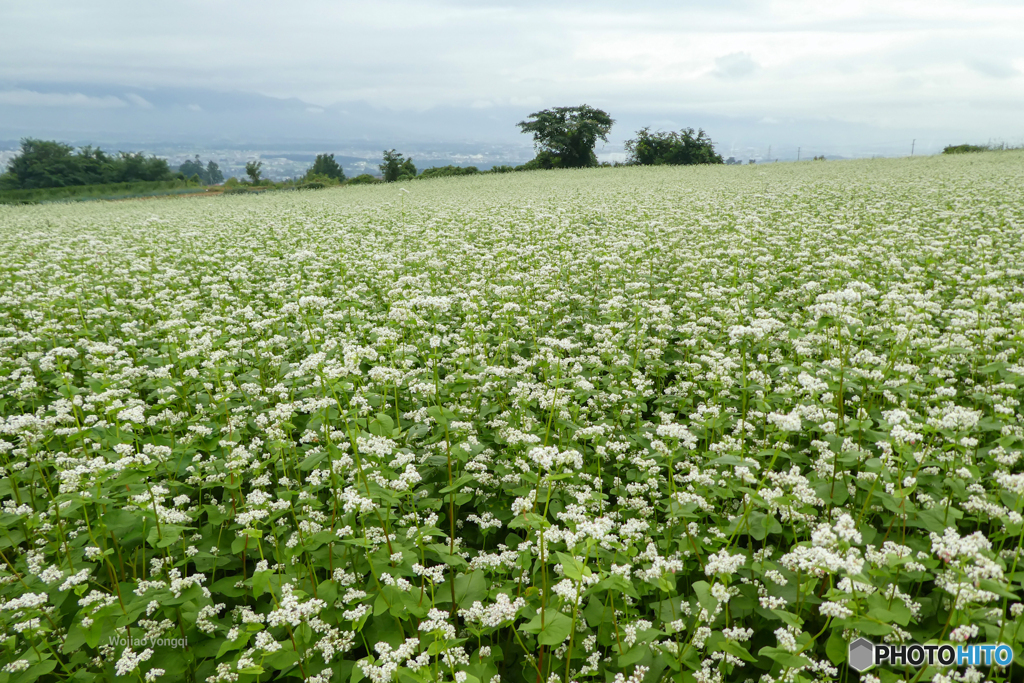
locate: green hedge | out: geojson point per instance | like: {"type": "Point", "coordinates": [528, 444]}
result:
{"type": "Point", "coordinates": [107, 191]}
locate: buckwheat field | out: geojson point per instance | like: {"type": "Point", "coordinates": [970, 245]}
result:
{"type": "Point", "coordinates": [638, 424]}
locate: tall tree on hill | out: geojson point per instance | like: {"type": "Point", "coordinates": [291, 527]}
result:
{"type": "Point", "coordinates": [213, 173]}
{"type": "Point", "coordinates": [254, 170]}
{"type": "Point", "coordinates": [396, 167]}
{"type": "Point", "coordinates": [565, 136]}
{"type": "Point", "coordinates": [325, 165]}
{"type": "Point", "coordinates": [195, 168]}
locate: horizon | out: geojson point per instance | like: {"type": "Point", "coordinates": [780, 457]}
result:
{"type": "Point", "coordinates": [452, 78]}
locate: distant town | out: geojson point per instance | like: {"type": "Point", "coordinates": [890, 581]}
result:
{"type": "Point", "coordinates": [285, 162]}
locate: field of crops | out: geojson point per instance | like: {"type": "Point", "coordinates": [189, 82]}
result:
{"type": "Point", "coordinates": [634, 424]}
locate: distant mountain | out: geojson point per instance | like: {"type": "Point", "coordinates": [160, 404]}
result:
{"type": "Point", "coordinates": [186, 120]}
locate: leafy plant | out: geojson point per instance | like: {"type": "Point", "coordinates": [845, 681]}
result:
{"type": "Point", "coordinates": [565, 136]}
{"type": "Point", "coordinates": [682, 148]}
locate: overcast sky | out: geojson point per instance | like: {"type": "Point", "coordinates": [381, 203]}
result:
{"type": "Point", "coordinates": [931, 69]}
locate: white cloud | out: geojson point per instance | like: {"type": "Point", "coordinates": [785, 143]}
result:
{"type": "Point", "coordinates": [994, 69]}
{"type": "Point", "coordinates": [32, 98]}
{"type": "Point", "coordinates": [138, 101]}
{"type": "Point", "coordinates": [911, 64]}
{"type": "Point", "coordinates": [194, 107]}
{"type": "Point", "coordinates": [528, 101]}
{"type": "Point", "coordinates": [735, 65]}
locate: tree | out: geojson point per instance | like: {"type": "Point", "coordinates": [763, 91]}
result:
{"type": "Point", "coordinates": [46, 163]}
{"type": "Point", "coordinates": [443, 171]}
{"type": "Point", "coordinates": [363, 179]}
{"type": "Point", "coordinates": [565, 136]}
{"type": "Point", "coordinates": [208, 175]}
{"type": "Point", "coordinates": [325, 165]}
{"type": "Point", "coordinates": [213, 174]}
{"type": "Point", "coordinates": [252, 169]}
{"type": "Point", "coordinates": [684, 147]}
{"type": "Point", "coordinates": [963, 149]}
{"type": "Point", "coordinates": [195, 168]}
{"type": "Point", "coordinates": [396, 167]}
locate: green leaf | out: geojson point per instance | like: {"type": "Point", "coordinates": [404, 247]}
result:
{"type": "Point", "coordinates": [871, 628]}
{"type": "Point", "coordinates": [439, 414]}
{"type": "Point", "coordinates": [790, 618]}
{"type": "Point", "coordinates": [736, 650]}
{"type": "Point", "coordinates": [164, 536]}
{"type": "Point", "coordinates": [761, 525]}
{"type": "Point", "coordinates": [704, 597]}
{"type": "Point", "coordinates": [458, 483]}
{"type": "Point", "coordinates": [382, 425]}
{"type": "Point", "coordinates": [634, 654]}
{"type": "Point", "coordinates": [786, 659]}
{"type": "Point", "coordinates": [596, 613]}
{"type": "Point", "coordinates": [310, 461]}
{"type": "Point", "coordinates": [556, 628]}
{"type": "Point", "coordinates": [573, 568]}
{"type": "Point", "coordinates": [34, 672]}
{"type": "Point", "coordinates": [836, 648]}
{"type": "Point", "coordinates": [260, 582]}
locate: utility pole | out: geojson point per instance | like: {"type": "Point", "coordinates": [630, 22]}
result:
{"type": "Point", "coordinates": [912, 146]}
{"type": "Point", "coordinates": [798, 154]}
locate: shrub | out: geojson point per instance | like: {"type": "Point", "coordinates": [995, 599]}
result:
{"type": "Point", "coordinates": [364, 179]}
{"type": "Point", "coordinates": [443, 171]}
{"type": "Point", "coordinates": [683, 148]}
{"type": "Point", "coordinates": [964, 149]}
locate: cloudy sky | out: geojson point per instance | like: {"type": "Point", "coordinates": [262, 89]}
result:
{"type": "Point", "coordinates": [860, 75]}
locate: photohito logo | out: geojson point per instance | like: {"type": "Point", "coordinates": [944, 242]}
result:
{"type": "Point", "coordinates": [864, 654]}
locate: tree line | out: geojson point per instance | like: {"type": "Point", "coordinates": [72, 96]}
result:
{"type": "Point", "coordinates": [45, 164]}
{"type": "Point", "coordinates": [564, 137]}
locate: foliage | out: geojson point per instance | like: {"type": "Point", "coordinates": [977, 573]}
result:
{"type": "Point", "coordinates": [42, 164]}
{"type": "Point", "coordinates": [668, 424]}
{"type": "Point", "coordinates": [568, 134]}
{"type": "Point", "coordinates": [210, 174]}
{"type": "Point", "coordinates": [322, 180]}
{"type": "Point", "coordinates": [964, 149]}
{"type": "Point", "coordinates": [682, 148]}
{"type": "Point", "coordinates": [543, 161]}
{"type": "Point", "coordinates": [253, 169]}
{"type": "Point", "coordinates": [444, 171]}
{"type": "Point", "coordinates": [501, 169]}
{"type": "Point", "coordinates": [88, 192]}
{"type": "Point", "coordinates": [214, 175]}
{"type": "Point", "coordinates": [396, 167]}
{"type": "Point", "coordinates": [363, 179]}
{"type": "Point", "coordinates": [326, 166]}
